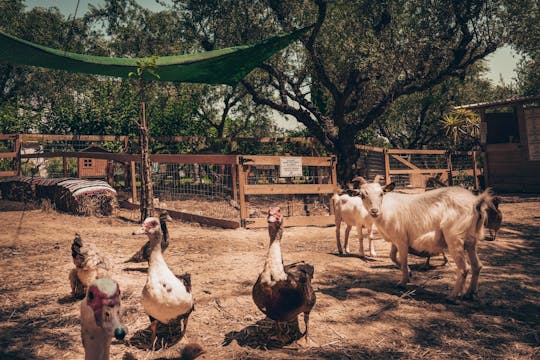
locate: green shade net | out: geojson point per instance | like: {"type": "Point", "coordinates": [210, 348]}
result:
{"type": "Point", "coordinates": [224, 66]}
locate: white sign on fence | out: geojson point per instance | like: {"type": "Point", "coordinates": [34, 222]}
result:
{"type": "Point", "coordinates": [290, 166]}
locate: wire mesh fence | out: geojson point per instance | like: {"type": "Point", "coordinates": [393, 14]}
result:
{"type": "Point", "coordinates": [463, 164]}
{"type": "Point", "coordinates": [290, 205]}
{"type": "Point", "coordinates": [202, 189]}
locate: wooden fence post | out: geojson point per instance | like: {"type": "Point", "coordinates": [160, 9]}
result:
{"type": "Point", "coordinates": [110, 172]}
{"type": "Point", "coordinates": [234, 175]}
{"type": "Point", "coordinates": [450, 169]}
{"type": "Point", "coordinates": [241, 183]}
{"type": "Point", "coordinates": [334, 182]}
{"type": "Point", "coordinates": [387, 179]}
{"type": "Point", "coordinates": [64, 165]}
{"type": "Point", "coordinates": [18, 143]}
{"type": "Point", "coordinates": [133, 184]}
{"type": "Point", "coordinates": [475, 171]}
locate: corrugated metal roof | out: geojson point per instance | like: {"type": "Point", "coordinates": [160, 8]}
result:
{"type": "Point", "coordinates": [499, 103]}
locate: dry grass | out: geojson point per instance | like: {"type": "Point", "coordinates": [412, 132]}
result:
{"type": "Point", "coordinates": [359, 314]}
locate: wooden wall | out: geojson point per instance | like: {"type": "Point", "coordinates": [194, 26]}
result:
{"type": "Point", "coordinates": [97, 170]}
{"type": "Point", "coordinates": [509, 166]}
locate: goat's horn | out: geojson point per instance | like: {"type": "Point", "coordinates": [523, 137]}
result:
{"type": "Point", "coordinates": [359, 179]}
{"type": "Point", "coordinates": [378, 178]}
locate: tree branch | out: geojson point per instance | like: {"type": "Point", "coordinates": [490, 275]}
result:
{"type": "Point", "coordinates": [303, 116]}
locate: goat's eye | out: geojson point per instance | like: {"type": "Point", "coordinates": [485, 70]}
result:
{"type": "Point", "coordinates": [107, 315]}
{"type": "Point", "coordinates": [381, 195]}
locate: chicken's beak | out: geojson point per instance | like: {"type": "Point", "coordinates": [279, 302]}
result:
{"type": "Point", "coordinates": [168, 218]}
{"type": "Point", "coordinates": [141, 231]}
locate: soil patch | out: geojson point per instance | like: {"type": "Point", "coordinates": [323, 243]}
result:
{"type": "Point", "coordinates": [360, 313]}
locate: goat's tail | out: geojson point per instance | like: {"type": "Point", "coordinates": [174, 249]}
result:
{"type": "Point", "coordinates": [335, 198]}
{"type": "Point", "coordinates": [482, 202]}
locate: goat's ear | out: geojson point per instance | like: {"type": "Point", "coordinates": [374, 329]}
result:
{"type": "Point", "coordinates": [378, 178]}
{"type": "Point", "coordinates": [359, 179]}
{"type": "Point", "coordinates": [389, 187]}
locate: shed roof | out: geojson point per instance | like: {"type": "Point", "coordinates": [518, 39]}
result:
{"type": "Point", "coordinates": [95, 148]}
{"type": "Point", "coordinates": [500, 103]}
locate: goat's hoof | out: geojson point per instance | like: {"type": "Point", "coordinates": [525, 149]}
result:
{"type": "Point", "coordinates": [451, 300]}
{"type": "Point", "coordinates": [469, 296]}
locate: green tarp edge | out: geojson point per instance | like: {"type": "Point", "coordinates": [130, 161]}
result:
{"type": "Point", "coordinates": [224, 66]}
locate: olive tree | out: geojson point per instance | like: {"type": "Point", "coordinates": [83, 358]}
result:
{"type": "Point", "coordinates": [358, 58]}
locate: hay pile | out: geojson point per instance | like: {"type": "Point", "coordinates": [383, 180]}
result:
{"type": "Point", "coordinates": [76, 196]}
{"type": "Point", "coordinates": [17, 189]}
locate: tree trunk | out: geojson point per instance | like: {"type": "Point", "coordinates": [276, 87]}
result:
{"type": "Point", "coordinates": [147, 193]}
{"type": "Point", "coordinates": [346, 165]}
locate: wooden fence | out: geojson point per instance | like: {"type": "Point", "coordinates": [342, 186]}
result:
{"type": "Point", "coordinates": [415, 168]}
{"type": "Point", "coordinates": [10, 159]}
{"type": "Point", "coordinates": [318, 177]}
{"type": "Point", "coordinates": [238, 189]}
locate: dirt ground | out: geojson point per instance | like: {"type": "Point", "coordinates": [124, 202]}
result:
{"type": "Point", "coordinates": [360, 313]}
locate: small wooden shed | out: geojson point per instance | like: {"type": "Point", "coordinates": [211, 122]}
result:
{"type": "Point", "coordinates": [510, 141]}
{"type": "Point", "coordinates": [93, 168]}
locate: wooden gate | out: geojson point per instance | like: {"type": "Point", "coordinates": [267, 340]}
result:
{"type": "Point", "coordinates": [421, 168]}
{"type": "Point", "coordinates": [303, 191]}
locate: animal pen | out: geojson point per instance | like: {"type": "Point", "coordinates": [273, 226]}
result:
{"type": "Point", "coordinates": [233, 190]}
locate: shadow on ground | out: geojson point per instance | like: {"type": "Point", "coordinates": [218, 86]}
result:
{"type": "Point", "coordinates": [21, 331]}
{"type": "Point", "coordinates": [264, 334]}
{"type": "Point", "coordinates": [167, 335]}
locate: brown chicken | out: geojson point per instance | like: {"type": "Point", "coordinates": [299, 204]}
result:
{"type": "Point", "coordinates": [89, 266]}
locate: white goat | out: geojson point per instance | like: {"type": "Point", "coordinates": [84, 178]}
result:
{"type": "Point", "coordinates": [492, 224]}
{"type": "Point", "coordinates": [351, 210]}
{"type": "Point", "coordinates": [449, 219]}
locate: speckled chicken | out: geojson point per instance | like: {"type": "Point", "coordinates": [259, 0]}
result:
{"type": "Point", "coordinates": [144, 252]}
{"type": "Point", "coordinates": [89, 266]}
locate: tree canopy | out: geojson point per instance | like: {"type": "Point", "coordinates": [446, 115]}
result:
{"type": "Point", "coordinates": [359, 59]}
